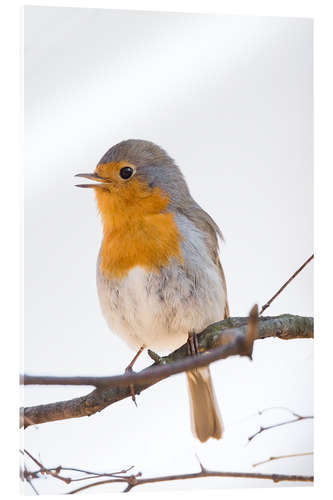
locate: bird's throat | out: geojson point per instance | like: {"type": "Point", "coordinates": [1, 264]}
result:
{"type": "Point", "coordinates": [137, 233]}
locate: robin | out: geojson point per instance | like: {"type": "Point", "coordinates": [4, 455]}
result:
{"type": "Point", "coordinates": [159, 277]}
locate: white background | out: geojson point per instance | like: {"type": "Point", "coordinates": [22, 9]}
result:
{"type": "Point", "coordinates": [230, 98]}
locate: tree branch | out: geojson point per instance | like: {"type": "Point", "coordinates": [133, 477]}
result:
{"type": "Point", "coordinates": [132, 480]}
{"type": "Point", "coordinates": [233, 336]}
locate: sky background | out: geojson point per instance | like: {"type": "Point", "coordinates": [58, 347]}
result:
{"type": "Point", "coordinates": [230, 98]}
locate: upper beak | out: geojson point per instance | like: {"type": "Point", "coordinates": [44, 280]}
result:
{"type": "Point", "coordinates": [94, 177]}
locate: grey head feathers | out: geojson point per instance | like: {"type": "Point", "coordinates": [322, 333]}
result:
{"type": "Point", "coordinates": [138, 152]}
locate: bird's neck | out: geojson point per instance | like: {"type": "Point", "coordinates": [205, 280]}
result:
{"type": "Point", "coordinates": [137, 231]}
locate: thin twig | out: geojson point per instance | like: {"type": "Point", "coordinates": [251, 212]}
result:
{"type": "Point", "coordinates": [264, 307]}
{"type": "Point", "coordinates": [286, 422]}
{"type": "Point", "coordinates": [51, 472]}
{"type": "Point", "coordinates": [28, 479]}
{"type": "Point", "coordinates": [89, 474]}
{"type": "Point", "coordinates": [113, 474]}
{"type": "Point", "coordinates": [270, 459]}
{"type": "Point", "coordinates": [285, 408]}
{"type": "Point", "coordinates": [202, 467]}
{"type": "Point", "coordinates": [26, 452]}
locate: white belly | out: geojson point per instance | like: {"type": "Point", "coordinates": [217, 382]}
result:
{"type": "Point", "coordinates": [158, 310]}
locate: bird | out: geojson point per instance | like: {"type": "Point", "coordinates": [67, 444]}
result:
{"type": "Point", "coordinates": [159, 276]}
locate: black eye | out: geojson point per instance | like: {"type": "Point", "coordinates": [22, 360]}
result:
{"type": "Point", "coordinates": [126, 172]}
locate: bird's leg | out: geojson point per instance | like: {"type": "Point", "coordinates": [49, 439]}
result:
{"type": "Point", "coordinates": [192, 344]}
{"type": "Point", "coordinates": [129, 369]}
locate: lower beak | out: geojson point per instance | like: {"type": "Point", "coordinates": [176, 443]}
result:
{"type": "Point", "coordinates": [102, 183]}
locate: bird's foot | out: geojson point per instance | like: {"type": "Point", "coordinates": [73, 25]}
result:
{"type": "Point", "coordinates": [129, 370]}
{"type": "Point", "coordinates": [192, 344]}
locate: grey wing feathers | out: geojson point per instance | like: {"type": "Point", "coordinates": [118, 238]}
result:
{"type": "Point", "coordinates": [211, 230]}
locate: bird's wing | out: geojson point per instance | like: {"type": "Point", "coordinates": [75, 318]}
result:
{"type": "Point", "coordinates": [226, 309]}
{"type": "Point", "coordinates": [204, 222]}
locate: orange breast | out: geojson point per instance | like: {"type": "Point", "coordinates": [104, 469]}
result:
{"type": "Point", "coordinates": [137, 230]}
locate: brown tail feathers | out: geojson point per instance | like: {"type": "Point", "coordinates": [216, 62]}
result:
{"type": "Point", "coordinates": [206, 418]}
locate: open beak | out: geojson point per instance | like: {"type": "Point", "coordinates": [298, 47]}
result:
{"type": "Point", "coordinates": [102, 183]}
